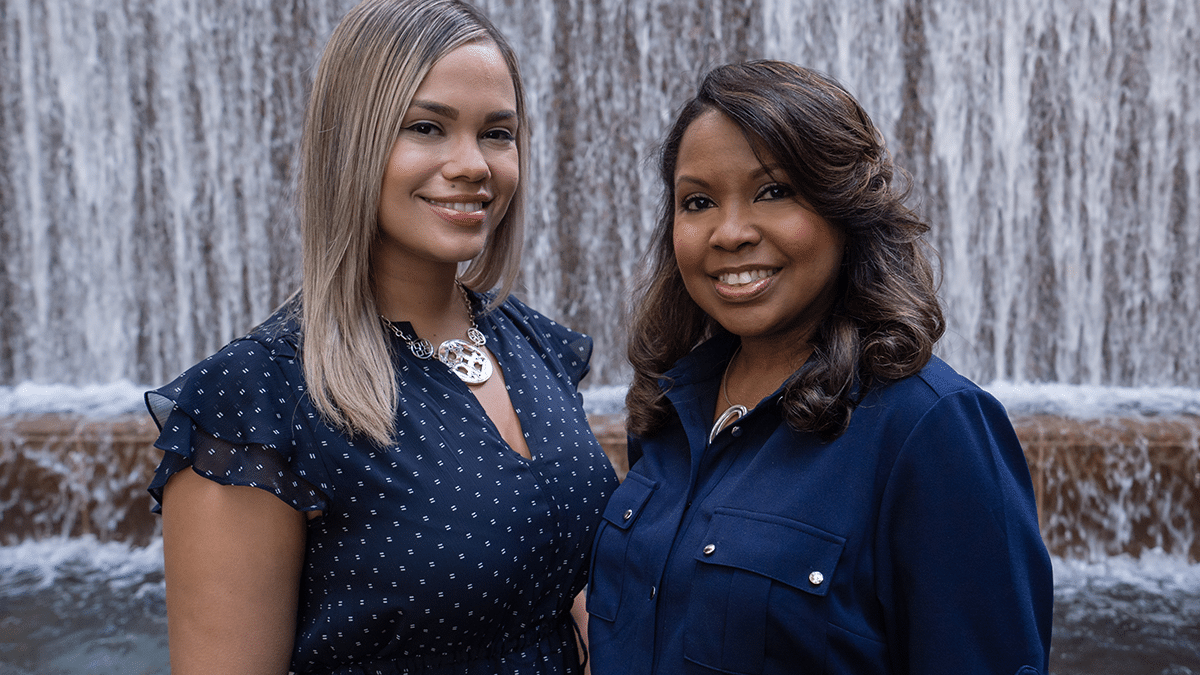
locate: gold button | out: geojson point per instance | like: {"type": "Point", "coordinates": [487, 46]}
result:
{"type": "Point", "coordinates": [628, 514]}
{"type": "Point", "coordinates": [708, 550]}
{"type": "Point", "coordinates": [816, 578]}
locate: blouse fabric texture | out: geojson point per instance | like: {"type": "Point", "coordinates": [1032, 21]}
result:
{"type": "Point", "coordinates": [445, 554]}
{"type": "Point", "coordinates": [908, 545]}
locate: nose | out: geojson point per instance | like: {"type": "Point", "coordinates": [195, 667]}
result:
{"type": "Point", "coordinates": [466, 162]}
{"type": "Point", "coordinates": [735, 229]}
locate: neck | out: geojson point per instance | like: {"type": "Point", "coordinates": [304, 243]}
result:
{"type": "Point", "coordinates": [758, 368]}
{"type": "Point", "coordinates": [432, 303]}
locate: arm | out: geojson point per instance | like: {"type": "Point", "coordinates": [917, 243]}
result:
{"type": "Point", "coordinates": [579, 613]}
{"type": "Point", "coordinates": [965, 578]}
{"type": "Point", "coordinates": [233, 557]}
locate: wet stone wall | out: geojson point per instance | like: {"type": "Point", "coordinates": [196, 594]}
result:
{"type": "Point", "coordinates": [1104, 487]}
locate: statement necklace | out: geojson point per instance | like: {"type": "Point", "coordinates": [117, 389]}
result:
{"type": "Point", "coordinates": [734, 412]}
{"type": "Point", "coordinates": [465, 359]}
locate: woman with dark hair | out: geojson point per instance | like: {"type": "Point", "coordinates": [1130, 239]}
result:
{"type": "Point", "coordinates": [811, 489]}
{"type": "Point", "coordinates": [338, 494]}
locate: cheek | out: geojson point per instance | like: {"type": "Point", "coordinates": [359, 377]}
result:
{"type": "Point", "coordinates": [816, 243]}
{"type": "Point", "coordinates": [506, 171]}
{"type": "Point", "coordinates": [506, 175]}
{"type": "Point", "coordinates": [688, 249]}
{"type": "Point", "coordinates": [689, 258]}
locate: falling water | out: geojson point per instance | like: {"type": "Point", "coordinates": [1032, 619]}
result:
{"type": "Point", "coordinates": [145, 160]}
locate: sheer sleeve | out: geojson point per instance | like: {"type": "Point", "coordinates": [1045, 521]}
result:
{"type": "Point", "coordinates": [231, 418]}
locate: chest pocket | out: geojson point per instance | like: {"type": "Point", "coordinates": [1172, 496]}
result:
{"type": "Point", "coordinates": [759, 581]}
{"type": "Point", "coordinates": [605, 584]}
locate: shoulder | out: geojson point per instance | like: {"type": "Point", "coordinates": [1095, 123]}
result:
{"type": "Point", "coordinates": [520, 313]}
{"type": "Point", "coordinates": [241, 389]}
{"type": "Point", "coordinates": [943, 380]}
{"type": "Point", "coordinates": [571, 349]}
{"type": "Point", "coordinates": [929, 414]}
{"type": "Point", "coordinates": [275, 340]}
{"type": "Point", "coordinates": [942, 421]}
{"type": "Point", "coordinates": [935, 386]}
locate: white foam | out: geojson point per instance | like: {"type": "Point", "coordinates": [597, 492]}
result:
{"type": "Point", "coordinates": [1153, 572]}
{"type": "Point", "coordinates": [1092, 402]}
{"type": "Point", "coordinates": [1076, 401]}
{"type": "Point", "coordinates": [1068, 400]}
{"type": "Point", "coordinates": [93, 400]}
{"type": "Point", "coordinates": [605, 400]}
{"type": "Point", "coordinates": [40, 564]}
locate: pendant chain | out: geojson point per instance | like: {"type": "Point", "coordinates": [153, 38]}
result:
{"type": "Point", "coordinates": [725, 377]}
{"type": "Point", "coordinates": [734, 412]}
{"type": "Point", "coordinates": [468, 361]}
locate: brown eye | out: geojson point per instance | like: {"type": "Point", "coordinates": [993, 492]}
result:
{"type": "Point", "coordinates": [500, 135]}
{"type": "Point", "coordinates": [423, 128]}
{"type": "Point", "coordinates": [696, 203]}
{"type": "Point", "coordinates": [775, 191]}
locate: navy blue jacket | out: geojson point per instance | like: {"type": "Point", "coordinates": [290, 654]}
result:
{"type": "Point", "coordinates": [909, 544]}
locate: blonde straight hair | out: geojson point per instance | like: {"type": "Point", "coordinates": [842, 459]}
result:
{"type": "Point", "coordinates": [373, 64]}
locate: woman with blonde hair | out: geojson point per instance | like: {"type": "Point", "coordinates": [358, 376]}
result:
{"type": "Point", "coordinates": [811, 490]}
{"type": "Point", "coordinates": [393, 473]}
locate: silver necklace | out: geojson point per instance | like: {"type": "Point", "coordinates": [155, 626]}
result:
{"type": "Point", "coordinates": [465, 359]}
{"type": "Point", "coordinates": [734, 412]}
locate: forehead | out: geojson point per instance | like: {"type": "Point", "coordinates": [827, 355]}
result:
{"type": "Point", "coordinates": [714, 142]}
{"type": "Point", "coordinates": [476, 67]}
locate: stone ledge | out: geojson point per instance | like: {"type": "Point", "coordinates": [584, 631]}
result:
{"type": "Point", "coordinates": [1104, 487]}
{"type": "Point", "coordinates": [1115, 485]}
{"type": "Point", "coordinates": [66, 475]}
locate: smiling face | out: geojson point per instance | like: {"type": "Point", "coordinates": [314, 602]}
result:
{"type": "Point", "coordinates": [454, 167]}
{"type": "Point", "coordinates": [752, 254]}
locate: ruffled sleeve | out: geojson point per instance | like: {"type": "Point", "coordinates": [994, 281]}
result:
{"type": "Point", "coordinates": [232, 418]}
{"type": "Point", "coordinates": [570, 351]}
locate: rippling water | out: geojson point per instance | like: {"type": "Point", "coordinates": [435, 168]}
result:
{"type": "Point", "coordinates": [1126, 617]}
{"type": "Point", "coordinates": [76, 607]}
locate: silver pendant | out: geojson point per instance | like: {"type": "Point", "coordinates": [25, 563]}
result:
{"type": "Point", "coordinates": [421, 349]}
{"type": "Point", "coordinates": [470, 363]}
{"type": "Point", "coordinates": [732, 414]}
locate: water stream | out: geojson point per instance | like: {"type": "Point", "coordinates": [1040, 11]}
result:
{"type": "Point", "coordinates": [145, 154]}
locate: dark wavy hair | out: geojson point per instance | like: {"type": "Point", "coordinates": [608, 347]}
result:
{"type": "Point", "coordinates": [884, 318]}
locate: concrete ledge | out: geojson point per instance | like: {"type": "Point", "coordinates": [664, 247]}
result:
{"type": "Point", "coordinates": [1104, 487]}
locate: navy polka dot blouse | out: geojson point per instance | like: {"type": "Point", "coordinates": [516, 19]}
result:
{"type": "Point", "coordinates": [447, 553]}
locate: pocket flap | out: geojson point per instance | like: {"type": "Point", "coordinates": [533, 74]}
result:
{"type": "Point", "coordinates": [627, 501]}
{"type": "Point", "coordinates": [782, 549]}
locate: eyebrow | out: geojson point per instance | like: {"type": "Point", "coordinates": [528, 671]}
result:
{"type": "Point", "coordinates": [451, 112]}
{"type": "Point", "coordinates": [760, 172]}
{"type": "Point", "coordinates": [680, 180]}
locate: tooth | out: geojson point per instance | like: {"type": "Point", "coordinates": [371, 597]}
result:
{"type": "Point", "coordinates": [743, 278]}
{"type": "Point", "coordinates": [455, 206]}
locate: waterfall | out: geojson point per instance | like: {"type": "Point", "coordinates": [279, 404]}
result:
{"type": "Point", "coordinates": [146, 159]}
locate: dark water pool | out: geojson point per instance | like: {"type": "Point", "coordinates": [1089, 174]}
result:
{"type": "Point", "coordinates": [77, 607]}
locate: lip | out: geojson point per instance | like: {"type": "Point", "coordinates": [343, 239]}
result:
{"type": "Point", "coordinates": [460, 209]}
{"type": "Point", "coordinates": [761, 278]}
